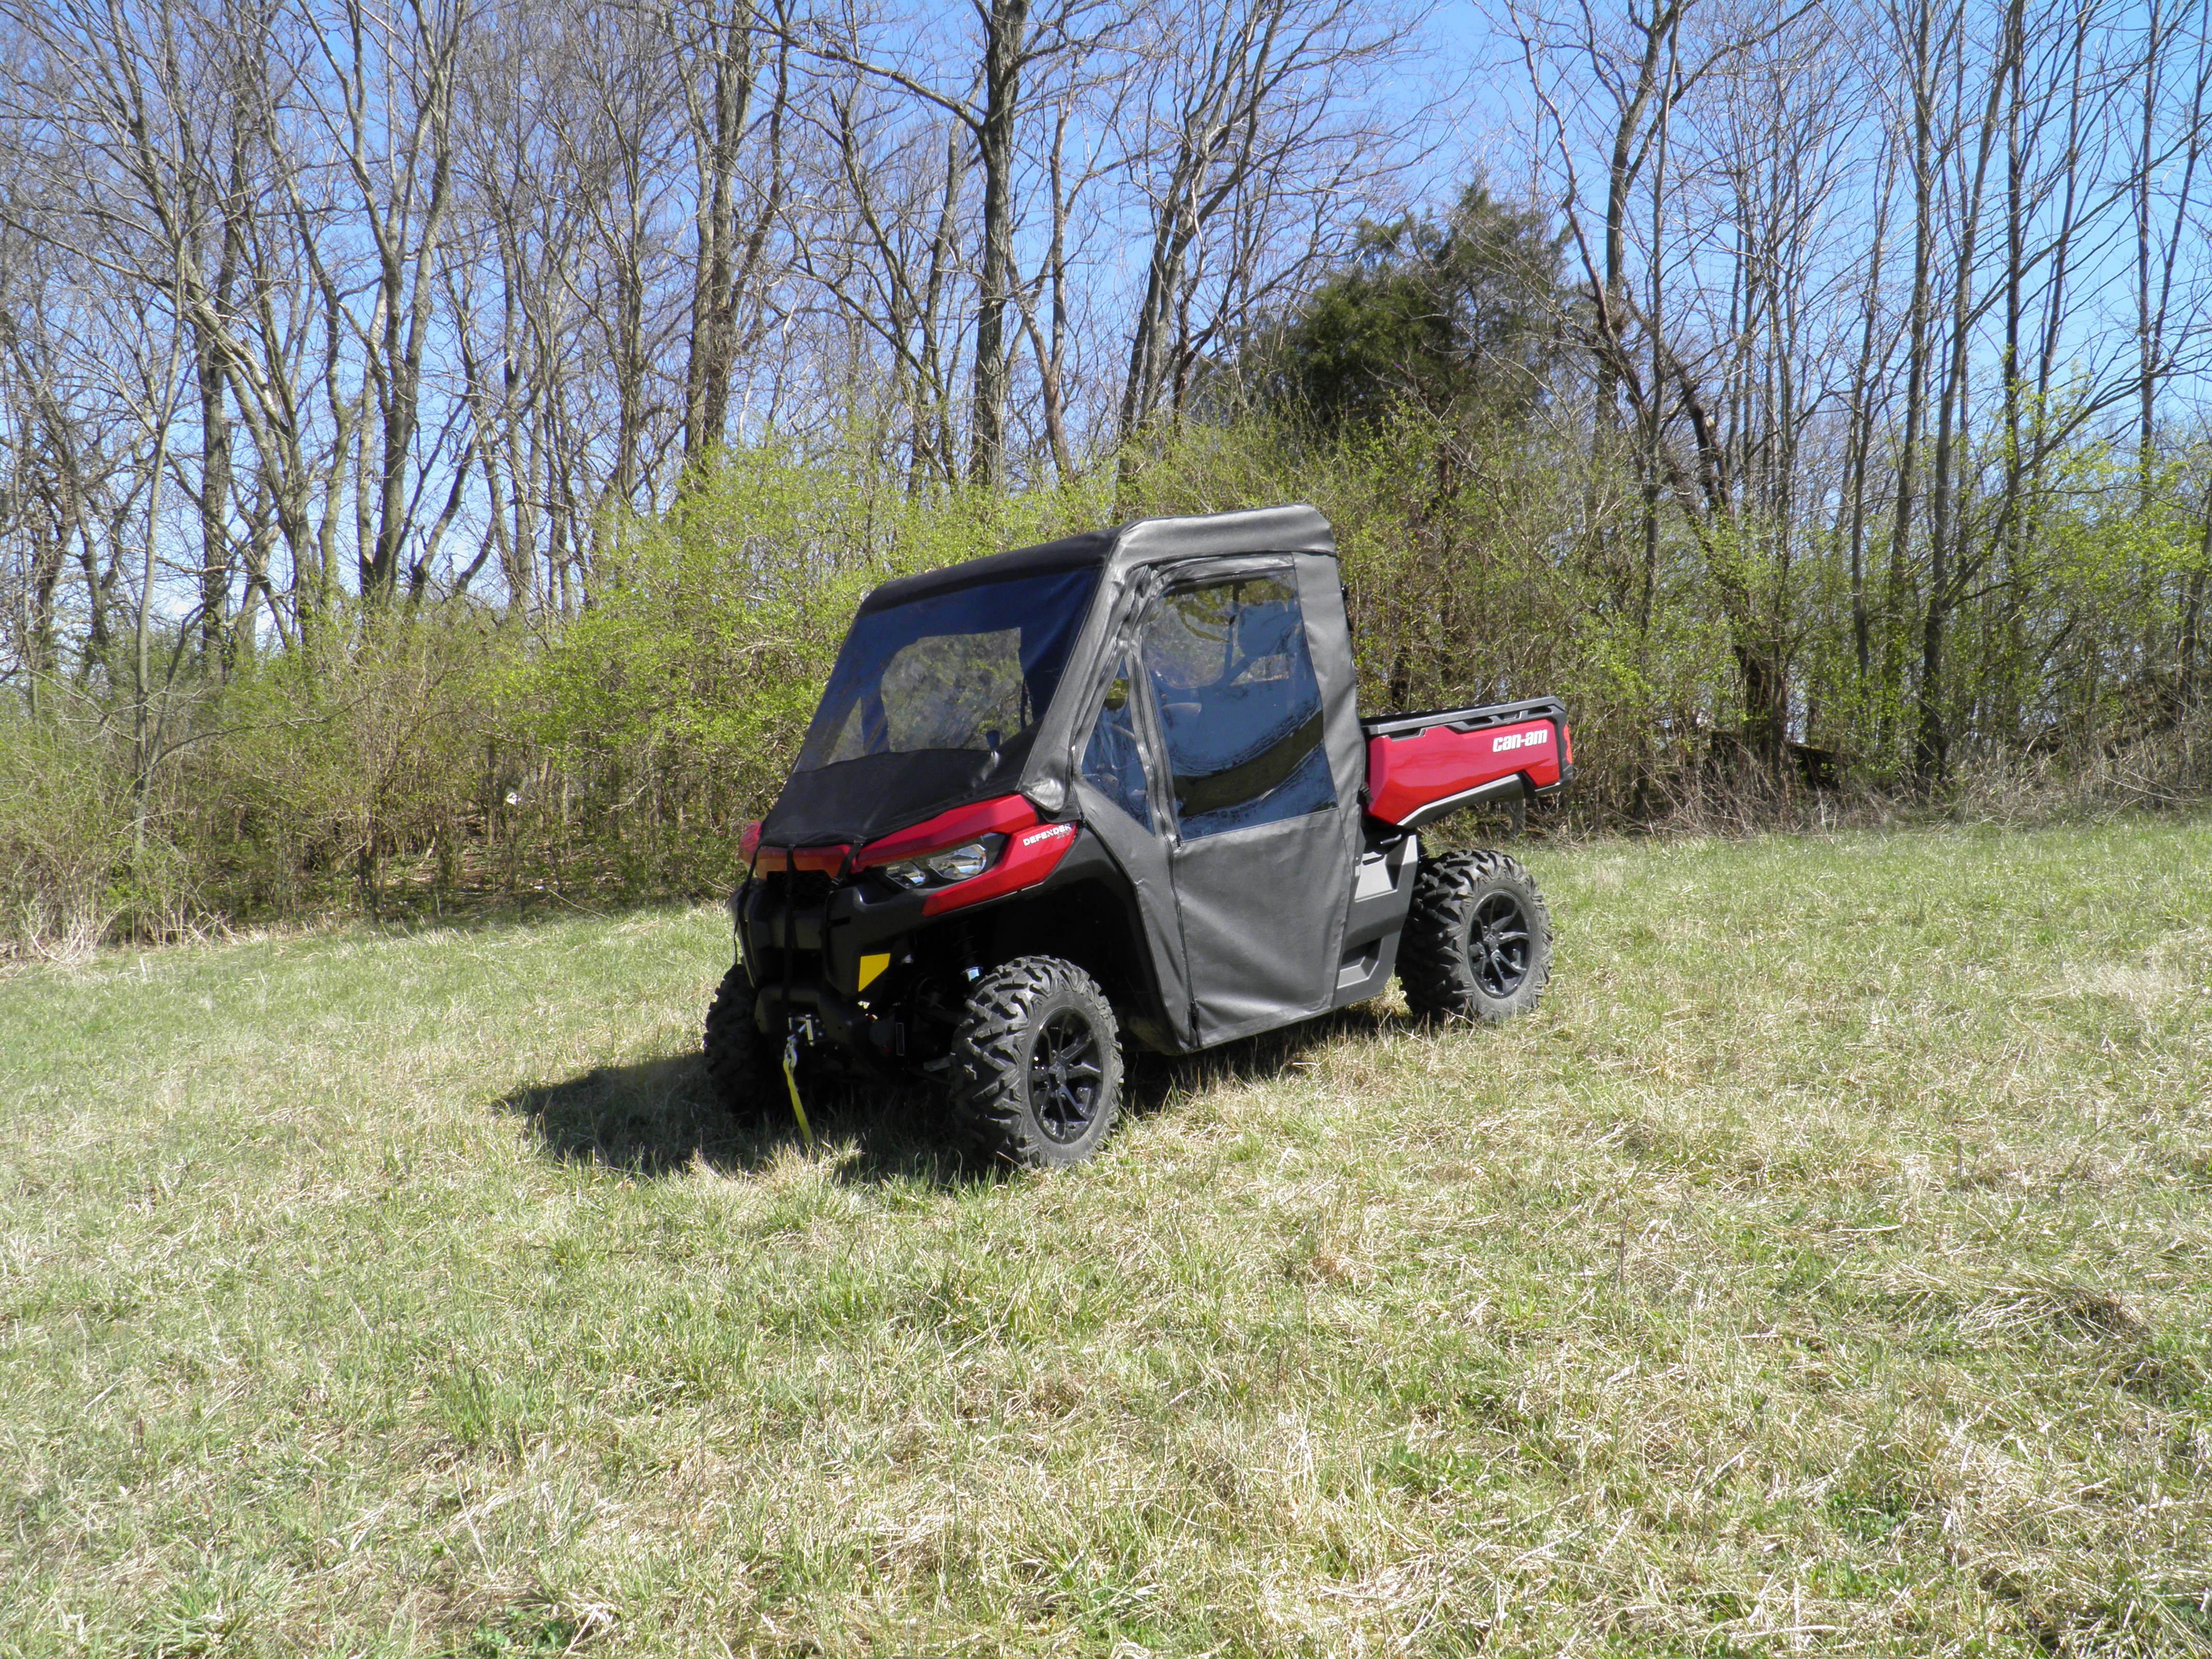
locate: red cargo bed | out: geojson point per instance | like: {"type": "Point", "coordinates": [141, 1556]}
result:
{"type": "Point", "coordinates": [1421, 767]}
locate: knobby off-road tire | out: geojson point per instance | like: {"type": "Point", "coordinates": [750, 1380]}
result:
{"type": "Point", "coordinates": [747, 1077]}
{"type": "Point", "coordinates": [1037, 1063]}
{"type": "Point", "coordinates": [1478, 940]}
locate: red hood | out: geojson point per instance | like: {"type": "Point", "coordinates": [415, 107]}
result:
{"type": "Point", "coordinates": [963, 824]}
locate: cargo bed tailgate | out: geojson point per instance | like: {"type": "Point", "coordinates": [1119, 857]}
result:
{"type": "Point", "coordinates": [1421, 767]}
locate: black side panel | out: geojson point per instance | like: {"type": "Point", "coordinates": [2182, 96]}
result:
{"type": "Point", "coordinates": [1140, 850]}
{"type": "Point", "coordinates": [1512, 787]}
{"type": "Point", "coordinates": [1321, 594]}
{"type": "Point", "coordinates": [1382, 894]}
{"type": "Point", "coordinates": [1135, 552]}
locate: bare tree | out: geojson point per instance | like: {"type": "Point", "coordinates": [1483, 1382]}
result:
{"type": "Point", "coordinates": [721, 54]}
{"type": "Point", "coordinates": [1242, 136]}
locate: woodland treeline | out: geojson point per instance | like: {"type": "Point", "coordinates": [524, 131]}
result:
{"type": "Point", "coordinates": [441, 442]}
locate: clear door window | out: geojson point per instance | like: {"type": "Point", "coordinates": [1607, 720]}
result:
{"type": "Point", "coordinates": [1240, 707]}
{"type": "Point", "coordinates": [1113, 764]}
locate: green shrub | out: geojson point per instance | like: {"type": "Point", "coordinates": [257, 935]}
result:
{"type": "Point", "coordinates": [322, 768]}
{"type": "Point", "coordinates": [80, 861]}
{"type": "Point", "coordinates": [448, 747]}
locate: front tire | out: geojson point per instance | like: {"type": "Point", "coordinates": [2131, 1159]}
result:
{"type": "Point", "coordinates": [1036, 1063]}
{"type": "Point", "coordinates": [1477, 941]}
{"type": "Point", "coordinates": [745, 1076]}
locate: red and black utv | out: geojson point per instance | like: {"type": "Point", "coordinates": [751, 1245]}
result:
{"type": "Point", "coordinates": [1114, 785]}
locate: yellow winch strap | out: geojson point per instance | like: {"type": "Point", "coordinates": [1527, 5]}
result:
{"type": "Point", "coordinates": [791, 1082]}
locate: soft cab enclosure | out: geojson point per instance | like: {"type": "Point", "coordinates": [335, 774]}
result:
{"type": "Point", "coordinates": [1220, 792]}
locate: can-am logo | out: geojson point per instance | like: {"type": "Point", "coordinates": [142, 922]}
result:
{"type": "Point", "coordinates": [1533, 739]}
{"type": "Point", "coordinates": [1050, 832]}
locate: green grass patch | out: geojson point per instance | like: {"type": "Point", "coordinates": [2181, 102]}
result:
{"type": "Point", "coordinates": [1824, 1268]}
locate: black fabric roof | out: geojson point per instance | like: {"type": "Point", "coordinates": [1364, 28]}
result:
{"type": "Point", "coordinates": [1272, 530]}
{"type": "Point", "coordinates": [1073, 553]}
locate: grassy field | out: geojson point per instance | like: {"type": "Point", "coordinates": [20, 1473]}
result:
{"type": "Point", "coordinates": [1827, 1267]}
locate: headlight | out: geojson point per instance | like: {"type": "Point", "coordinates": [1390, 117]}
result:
{"type": "Point", "coordinates": [962, 863]}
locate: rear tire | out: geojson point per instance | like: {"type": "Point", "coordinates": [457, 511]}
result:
{"type": "Point", "coordinates": [1037, 1063]}
{"type": "Point", "coordinates": [1478, 940]}
{"type": "Point", "coordinates": [744, 1075]}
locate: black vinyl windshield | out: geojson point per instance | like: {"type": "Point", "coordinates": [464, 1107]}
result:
{"type": "Point", "coordinates": [933, 701]}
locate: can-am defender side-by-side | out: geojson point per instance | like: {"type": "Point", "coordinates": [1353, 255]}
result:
{"type": "Point", "coordinates": [1114, 785]}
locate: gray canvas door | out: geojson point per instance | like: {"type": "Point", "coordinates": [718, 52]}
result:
{"type": "Point", "coordinates": [1123, 807]}
{"type": "Point", "coordinates": [1256, 844]}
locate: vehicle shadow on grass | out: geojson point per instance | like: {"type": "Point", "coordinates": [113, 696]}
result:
{"type": "Point", "coordinates": [658, 1117]}
{"type": "Point", "coordinates": [1154, 1082]}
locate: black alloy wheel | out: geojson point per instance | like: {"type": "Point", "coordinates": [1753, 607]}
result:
{"type": "Point", "coordinates": [1477, 939]}
{"type": "Point", "coordinates": [1065, 1076]}
{"type": "Point", "coordinates": [1498, 945]}
{"type": "Point", "coordinates": [1037, 1063]}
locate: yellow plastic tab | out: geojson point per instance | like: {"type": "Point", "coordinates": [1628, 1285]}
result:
{"type": "Point", "coordinates": [870, 967]}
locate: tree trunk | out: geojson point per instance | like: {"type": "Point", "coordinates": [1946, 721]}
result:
{"type": "Point", "coordinates": [1915, 382]}
{"type": "Point", "coordinates": [1006, 27]}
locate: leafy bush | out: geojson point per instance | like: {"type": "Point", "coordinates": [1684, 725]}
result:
{"type": "Point", "coordinates": [321, 768]}
{"type": "Point", "coordinates": [79, 861]}
{"type": "Point", "coordinates": [404, 758]}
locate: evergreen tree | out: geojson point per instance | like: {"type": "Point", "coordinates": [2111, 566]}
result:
{"type": "Point", "coordinates": [1459, 314]}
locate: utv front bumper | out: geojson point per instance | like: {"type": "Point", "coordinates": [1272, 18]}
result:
{"type": "Point", "coordinates": [829, 935]}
